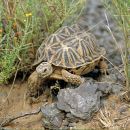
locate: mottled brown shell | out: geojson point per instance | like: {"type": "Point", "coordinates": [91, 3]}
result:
{"type": "Point", "coordinates": [69, 47]}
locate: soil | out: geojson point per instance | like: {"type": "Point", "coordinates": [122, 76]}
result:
{"type": "Point", "coordinates": [12, 101]}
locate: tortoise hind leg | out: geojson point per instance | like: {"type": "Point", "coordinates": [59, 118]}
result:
{"type": "Point", "coordinates": [103, 67]}
{"type": "Point", "coordinates": [72, 78]}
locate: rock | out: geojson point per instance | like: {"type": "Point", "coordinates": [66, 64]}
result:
{"type": "Point", "coordinates": [122, 109]}
{"type": "Point", "coordinates": [80, 102]}
{"type": "Point", "coordinates": [71, 118]}
{"type": "Point", "coordinates": [52, 117]}
{"type": "Point", "coordinates": [104, 87]}
{"type": "Point", "coordinates": [65, 122]}
{"type": "Point", "coordinates": [117, 88]}
{"type": "Point", "coordinates": [72, 124]}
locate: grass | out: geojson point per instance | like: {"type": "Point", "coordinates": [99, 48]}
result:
{"type": "Point", "coordinates": [24, 24]}
{"type": "Point", "coordinates": [120, 10]}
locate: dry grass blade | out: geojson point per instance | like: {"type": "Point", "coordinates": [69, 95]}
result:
{"type": "Point", "coordinates": [119, 9]}
{"type": "Point", "coordinates": [105, 119]}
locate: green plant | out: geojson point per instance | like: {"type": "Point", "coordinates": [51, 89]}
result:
{"type": "Point", "coordinates": [120, 10]}
{"type": "Point", "coordinates": [24, 24]}
{"type": "Point", "coordinates": [58, 11]}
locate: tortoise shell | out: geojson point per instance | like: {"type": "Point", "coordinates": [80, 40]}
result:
{"type": "Point", "coordinates": [69, 47]}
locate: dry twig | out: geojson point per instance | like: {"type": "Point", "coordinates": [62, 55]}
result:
{"type": "Point", "coordinates": [7, 121]}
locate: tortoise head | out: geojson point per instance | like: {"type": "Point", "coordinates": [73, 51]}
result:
{"type": "Point", "coordinates": [44, 69]}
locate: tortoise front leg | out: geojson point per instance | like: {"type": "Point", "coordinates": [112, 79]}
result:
{"type": "Point", "coordinates": [72, 78]}
{"type": "Point", "coordinates": [33, 84]}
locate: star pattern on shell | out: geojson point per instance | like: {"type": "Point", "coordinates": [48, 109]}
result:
{"type": "Point", "coordinates": [70, 47]}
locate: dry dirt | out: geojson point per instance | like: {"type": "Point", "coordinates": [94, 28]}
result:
{"type": "Point", "coordinates": [12, 103]}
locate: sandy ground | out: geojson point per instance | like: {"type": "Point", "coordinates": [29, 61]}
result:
{"type": "Point", "coordinates": [12, 103]}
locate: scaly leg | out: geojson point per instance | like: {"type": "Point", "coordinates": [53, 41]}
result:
{"type": "Point", "coordinates": [72, 78]}
{"type": "Point", "coordinates": [103, 67]}
{"type": "Point", "coordinates": [34, 83]}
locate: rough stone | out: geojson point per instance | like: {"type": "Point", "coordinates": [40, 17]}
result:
{"type": "Point", "coordinates": [65, 122]}
{"type": "Point", "coordinates": [52, 117]}
{"type": "Point", "coordinates": [80, 102]}
{"type": "Point", "coordinates": [72, 124]}
{"type": "Point", "coordinates": [117, 88]}
{"type": "Point", "coordinates": [71, 118]}
{"type": "Point", "coordinates": [123, 109]}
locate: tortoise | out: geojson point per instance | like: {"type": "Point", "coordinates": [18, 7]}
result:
{"type": "Point", "coordinates": [66, 55]}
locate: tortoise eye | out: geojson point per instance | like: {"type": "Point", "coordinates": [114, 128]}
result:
{"type": "Point", "coordinates": [45, 70]}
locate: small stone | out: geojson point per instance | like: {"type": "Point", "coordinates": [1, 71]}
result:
{"type": "Point", "coordinates": [65, 123]}
{"type": "Point", "coordinates": [71, 118]}
{"type": "Point", "coordinates": [105, 88]}
{"type": "Point", "coordinates": [52, 117]}
{"type": "Point", "coordinates": [72, 124]}
{"type": "Point", "coordinates": [117, 88]}
{"type": "Point", "coordinates": [123, 109]}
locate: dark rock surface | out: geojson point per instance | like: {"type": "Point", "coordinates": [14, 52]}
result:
{"type": "Point", "coordinates": [53, 117]}
{"type": "Point", "coordinates": [83, 101]}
